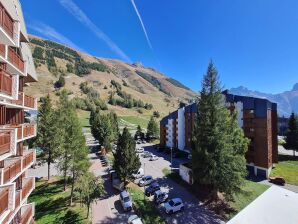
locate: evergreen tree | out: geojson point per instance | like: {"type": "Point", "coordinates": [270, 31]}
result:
{"type": "Point", "coordinates": [292, 134]}
{"type": "Point", "coordinates": [138, 133]}
{"type": "Point", "coordinates": [48, 135]}
{"type": "Point", "coordinates": [114, 126]}
{"type": "Point", "coordinates": [101, 128]}
{"type": "Point", "coordinates": [152, 129]}
{"type": "Point", "coordinates": [126, 160]}
{"type": "Point", "coordinates": [219, 145]}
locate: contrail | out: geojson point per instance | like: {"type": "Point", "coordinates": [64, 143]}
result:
{"type": "Point", "coordinates": [50, 33]}
{"type": "Point", "coordinates": [73, 9]}
{"type": "Point", "coordinates": [142, 24]}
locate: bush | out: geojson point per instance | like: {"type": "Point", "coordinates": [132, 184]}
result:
{"type": "Point", "coordinates": [60, 82]}
{"type": "Point", "coordinates": [156, 114]}
{"type": "Point", "coordinates": [81, 67]}
{"type": "Point", "coordinates": [69, 68]}
{"type": "Point", "coordinates": [38, 53]}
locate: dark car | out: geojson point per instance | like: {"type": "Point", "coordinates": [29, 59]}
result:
{"type": "Point", "coordinates": [277, 180]}
{"type": "Point", "coordinates": [151, 189]}
{"type": "Point", "coordinates": [160, 197]}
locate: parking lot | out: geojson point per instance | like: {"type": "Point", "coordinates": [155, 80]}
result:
{"type": "Point", "coordinates": [194, 211]}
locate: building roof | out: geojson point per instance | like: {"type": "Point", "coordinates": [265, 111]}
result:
{"type": "Point", "coordinates": [276, 205]}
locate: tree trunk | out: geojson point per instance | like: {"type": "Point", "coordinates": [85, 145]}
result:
{"type": "Point", "coordinates": [72, 187]}
{"type": "Point", "coordinates": [49, 165]}
{"type": "Point", "coordinates": [88, 208]}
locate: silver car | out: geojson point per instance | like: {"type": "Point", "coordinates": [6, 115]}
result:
{"type": "Point", "coordinates": [126, 201]}
{"type": "Point", "coordinates": [146, 181]}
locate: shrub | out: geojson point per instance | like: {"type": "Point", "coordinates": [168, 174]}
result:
{"type": "Point", "coordinates": [60, 82]}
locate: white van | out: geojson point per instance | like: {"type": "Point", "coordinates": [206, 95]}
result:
{"type": "Point", "coordinates": [139, 174]}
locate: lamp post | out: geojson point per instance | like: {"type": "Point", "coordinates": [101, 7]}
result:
{"type": "Point", "coordinates": [171, 159]}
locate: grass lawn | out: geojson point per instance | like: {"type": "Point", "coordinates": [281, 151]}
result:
{"type": "Point", "coordinates": [287, 167]}
{"type": "Point", "coordinates": [135, 121]}
{"type": "Point", "coordinates": [250, 191]}
{"type": "Point", "coordinates": [143, 207]}
{"type": "Point", "coordinates": [84, 118]}
{"type": "Point", "coordinates": [52, 205]}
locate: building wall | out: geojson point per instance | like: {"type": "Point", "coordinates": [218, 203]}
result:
{"type": "Point", "coordinates": [181, 129]}
{"type": "Point", "coordinates": [163, 133]}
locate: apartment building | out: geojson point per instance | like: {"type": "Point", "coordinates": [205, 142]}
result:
{"type": "Point", "coordinates": [16, 71]}
{"type": "Point", "coordinates": [257, 117]}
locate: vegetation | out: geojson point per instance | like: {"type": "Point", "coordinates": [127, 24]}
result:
{"type": "Point", "coordinates": [154, 81]}
{"type": "Point", "coordinates": [126, 160]}
{"type": "Point", "coordinates": [48, 133]}
{"type": "Point", "coordinates": [38, 53]}
{"type": "Point", "coordinates": [287, 167]}
{"type": "Point", "coordinates": [52, 204]}
{"type": "Point", "coordinates": [139, 133]}
{"type": "Point", "coordinates": [292, 134]}
{"type": "Point", "coordinates": [152, 129]}
{"type": "Point", "coordinates": [143, 207]}
{"type": "Point", "coordinates": [177, 83]}
{"type": "Point", "coordinates": [60, 82]}
{"type": "Point", "coordinates": [219, 144]}
{"type": "Point", "coordinates": [156, 114]}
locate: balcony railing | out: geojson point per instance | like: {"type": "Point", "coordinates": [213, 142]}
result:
{"type": "Point", "coordinates": [25, 131]}
{"type": "Point", "coordinates": [4, 142]}
{"type": "Point", "coordinates": [28, 186]}
{"type": "Point", "coordinates": [12, 170]}
{"type": "Point", "coordinates": [15, 59]}
{"type": "Point", "coordinates": [2, 50]}
{"type": "Point", "coordinates": [6, 21]}
{"type": "Point", "coordinates": [18, 199]}
{"type": "Point", "coordinates": [26, 213]}
{"type": "Point", "coordinates": [5, 82]}
{"type": "Point", "coordinates": [26, 101]}
{"type": "Point", "coordinates": [28, 159]}
{"type": "Point", "coordinates": [29, 101]}
{"type": "Point", "coordinates": [4, 194]}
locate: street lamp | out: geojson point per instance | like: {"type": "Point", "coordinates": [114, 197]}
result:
{"type": "Point", "coordinates": [171, 159]}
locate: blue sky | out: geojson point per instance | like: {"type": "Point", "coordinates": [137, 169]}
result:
{"type": "Point", "coordinates": [253, 43]}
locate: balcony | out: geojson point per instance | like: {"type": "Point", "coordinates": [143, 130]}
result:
{"type": "Point", "coordinates": [5, 142]}
{"type": "Point", "coordinates": [6, 22]}
{"type": "Point", "coordinates": [28, 186]}
{"type": "Point", "coordinates": [26, 131]}
{"type": "Point", "coordinates": [11, 170]}
{"type": "Point", "coordinates": [4, 198]}
{"type": "Point", "coordinates": [15, 59]}
{"type": "Point", "coordinates": [28, 158]}
{"type": "Point", "coordinates": [25, 101]}
{"type": "Point", "coordinates": [5, 82]}
{"type": "Point", "coordinates": [27, 213]}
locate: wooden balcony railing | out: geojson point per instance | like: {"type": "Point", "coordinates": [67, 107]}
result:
{"type": "Point", "coordinates": [18, 199]}
{"type": "Point", "coordinates": [28, 130]}
{"type": "Point", "coordinates": [6, 21]}
{"type": "Point", "coordinates": [4, 194]}
{"type": "Point", "coordinates": [11, 171]}
{"type": "Point", "coordinates": [29, 101]}
{"type": "Point", "coordinates": [4, 142]}
{"type": "Point", "coordinates": [19, 101]}
{"type": "Point", "coordinates": [16, 59]}
{"type": "Point", "coordinates": [27, 188]}
{"type": "Point", "coordinates": [5, 82]}
{"type": "Point", "coordinates": [27, 214]}
{"type": "Point", "coordinates": [27, 159]}
{"type": "Point", "coordinates": [2, 50]}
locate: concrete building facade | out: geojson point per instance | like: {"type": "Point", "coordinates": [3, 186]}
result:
{"type": "Point", "coordinates": [257, 117]}
{"type": "Point", "coordinates": [16, 71]}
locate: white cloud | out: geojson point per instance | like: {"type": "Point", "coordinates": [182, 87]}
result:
{"type": "Point", "coordinates": [142, 24]}
{"type": "Point", "coordinates": [72, 8]}
{"type": "Point", "coordinates": [50, 33]}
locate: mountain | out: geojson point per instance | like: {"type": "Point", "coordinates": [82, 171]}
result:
{"type": "Point", "coordinates": [287, 102]}
{"type": "Point", "coordinates": [132, 87]}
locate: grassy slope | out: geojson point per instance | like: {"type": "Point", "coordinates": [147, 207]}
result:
{"type": "Point", "coordinates": [287, 169]}
{"type": "Point", "coordinates": [250, 192]}
{"type": "Point", "coordinates": [52, 205]}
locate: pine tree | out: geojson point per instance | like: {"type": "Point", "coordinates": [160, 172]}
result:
{"type": "Point", "coordinates": [219, 145]}
{"type": "Point", "coordinates": [126, 160]}
{"type": "Point", "coordinates": [292, 134]}
{"type": "Point", "coordinates": [152, 129]}
{"type": "Point", "coordinates": [101, 128]}
{"type": "Point", "coordinates": [138, 133]}
{"type": "Point", "coordinates": [48, 137]}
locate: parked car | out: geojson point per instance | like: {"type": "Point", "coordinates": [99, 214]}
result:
{"type": "Point", "coordinates": [139, 174]}
{"type": "Point", "coordinates": [140, 150]}
{"type": "Point", "coordinates": [147, 154]}
{"type": "Point", "coordinates": [160, 197]}
{"type": "Point", "coordinates": [174, 205]}
{"type": "Point", "coordinates": [277, 180]}
{"type": "Point", "coordinates": [146, 180]}
{"type": "Point", "coordinates": [151, 189]}
{"type": "Point", "coordinates": [134, 219]}
{"type": "Point", "coordinates": [126, 201]}
{"type": "Point", "coordinates": [139, 141]}
{"type": "Point", "coordinates": [144, 142]}
{"type": "Point", "coordinates": [153, 158]}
